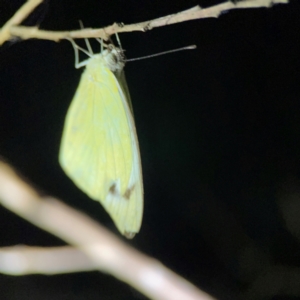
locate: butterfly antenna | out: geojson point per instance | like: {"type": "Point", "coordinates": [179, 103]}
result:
{"type": "Point", "coordinates": [163, 53]}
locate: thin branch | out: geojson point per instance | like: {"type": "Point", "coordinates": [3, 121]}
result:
{"type": "Point", "coordinates": [106, 251]}
{"type": "Point", "coordinates": [191, 14]}
{"type": "Point", "coordinates": [25, 260]}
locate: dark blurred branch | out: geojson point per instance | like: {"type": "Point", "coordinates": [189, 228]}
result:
{"type": "Point", "coordinates": [11, 30]}
{"type": "Point", "coordinates": [278, 280]}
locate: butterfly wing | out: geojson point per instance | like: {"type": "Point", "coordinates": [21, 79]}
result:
{"type": "Point", "coordinates": [99, 148]}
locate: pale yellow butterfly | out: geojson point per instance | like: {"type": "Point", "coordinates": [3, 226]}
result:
{"type": "Point", "coordinates": [99, 148]}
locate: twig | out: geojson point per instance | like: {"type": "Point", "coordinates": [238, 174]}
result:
{"type": "Point", "coordinates": [105, 250]}
{"type": "Point", "coordinates": [25, 260]}
{"type": "Point", "coordinates": [191, 14]}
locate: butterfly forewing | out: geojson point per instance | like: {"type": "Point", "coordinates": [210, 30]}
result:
{"type": "Point", "coordinates": [99, 148]}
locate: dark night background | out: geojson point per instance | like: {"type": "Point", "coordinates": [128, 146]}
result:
{"type": "Point", "coordinates": [219, 133]}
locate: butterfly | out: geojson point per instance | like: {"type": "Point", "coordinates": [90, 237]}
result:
{"type": "Point", "coordinates": [99, 148]}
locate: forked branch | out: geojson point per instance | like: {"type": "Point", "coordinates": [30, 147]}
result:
{"type": "Point", "coordinates": [105, 251]}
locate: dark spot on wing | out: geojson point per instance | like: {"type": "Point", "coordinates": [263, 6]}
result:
{"type": "Point", "coordinates": [128, 192]}
{"type": "Point", "coordinates": [113, 189]}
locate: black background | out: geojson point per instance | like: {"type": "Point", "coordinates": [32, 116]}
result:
{"type": "Point", "coordinates": [219, 134]}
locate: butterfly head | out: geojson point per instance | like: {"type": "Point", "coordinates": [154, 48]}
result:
{"type": "Point", "coordinates": [114, 58]}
